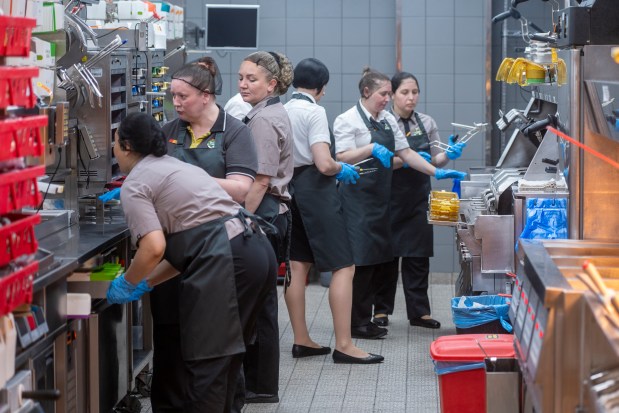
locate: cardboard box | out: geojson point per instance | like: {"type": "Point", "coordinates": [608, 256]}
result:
{"type": "Point", "coordinates": [15, 8]}
{"type": "Point", "coordinates": [49, 16]}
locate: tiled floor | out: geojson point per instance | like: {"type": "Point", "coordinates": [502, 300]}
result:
{"type": "Point", "coordinates": [405, 382]}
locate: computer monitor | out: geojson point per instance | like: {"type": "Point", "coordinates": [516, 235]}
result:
{"type": "Point", "coordinates": [231, 26]}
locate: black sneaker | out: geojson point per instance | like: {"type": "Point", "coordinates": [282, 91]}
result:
{"type": "Point", "coordinates": [382, 321]}
{"type": "Point", "coordinates": [369, 332]}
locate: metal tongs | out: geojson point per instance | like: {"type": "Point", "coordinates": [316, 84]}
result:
{"type": "Point", "coordinates": [363, 171]}
{"type": "Point", "coordinates": [174, 52]}
{"type": "Point", "coordinates": [471, 131]}
{"type": "Point", "coordinates": [79, 78]}
{"type": "Point", "coordinates": [78, 24]}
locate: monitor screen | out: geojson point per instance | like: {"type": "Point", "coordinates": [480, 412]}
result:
{"type": "Point", "coordinates": [231, 26]}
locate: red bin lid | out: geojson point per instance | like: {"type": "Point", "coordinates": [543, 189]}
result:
{"type": "Point", "coordinates": [472, 347]}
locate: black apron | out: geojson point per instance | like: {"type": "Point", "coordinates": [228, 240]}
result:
{"type": "Point", "coordinates": [208, 309]}
{"type": "Point", "coordinates": [366, 204]}
{"type": "Point", "coordinates": [315, 195]}
{"type": "Point", "coordinates": [412, 235]}
{"type": "Point", "coordinates": [209, 156]}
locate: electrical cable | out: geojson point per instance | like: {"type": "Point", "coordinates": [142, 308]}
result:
{"type": "Point", "coordinates": [110, 32]}
{"type": "Point", "coordinates": [51, 179]}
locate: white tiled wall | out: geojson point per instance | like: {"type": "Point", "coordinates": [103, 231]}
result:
{"type": "Point", "coordinates": [443, 44]}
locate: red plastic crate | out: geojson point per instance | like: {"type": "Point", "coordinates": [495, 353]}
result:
{"type": "Point", "coordinates": [16, 86]}
{"type": "Point", "coordinates": [21, 137]}
{"type": "Point", "coordinates": [19, 189]}
{"type": "Point", "coordinates": [17, 238]}
{"type": "Point", "coordinates": [16, 288]}
{"type": "Point", "coordinates": [15, 35]}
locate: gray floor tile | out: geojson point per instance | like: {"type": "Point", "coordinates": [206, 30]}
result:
{"type": "Point", "coordinates": [405, 382]}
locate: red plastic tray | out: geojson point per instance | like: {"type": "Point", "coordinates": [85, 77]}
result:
{"type": "Point", "coordinates": [17, 238]}
{"type": "Point", "coordinates": [18, 189]}
{"type": "Point", "coordinates": [15, 35]}
{"type": "Point", "coordinates": [21, 137]}
{"type": "Point", "coordinates": [16, 288]}
{"type": "Point", "coordinates": [16, 86]}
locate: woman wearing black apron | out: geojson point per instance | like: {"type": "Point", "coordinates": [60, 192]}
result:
{"type": "Point", "coordinates": [192, 227]}
{"type": "Point", "coordinates": [318, 230]}
{"type": "Point", "coordinates": [263, 77]}
{"type": "Point", "coordinates": [413, 239]}
{"type": "Point", "coordinates": [205, 136]}
{"type": "Point", "coordinates": [368, 135]}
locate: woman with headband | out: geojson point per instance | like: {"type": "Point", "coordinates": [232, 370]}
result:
{"type": "Point", "coordinates": [263, 77]}
{"type": "Point", "coordinates": [203, 135]}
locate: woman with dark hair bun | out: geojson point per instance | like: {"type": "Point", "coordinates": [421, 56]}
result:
{"type": "Point", "coordinates": [183, 222]}
{"type": "Point", "coordinates": [318, 230]}
{"type": "Point", "coordinates": [203, 135]}
{"type": "Point", "coordinates": [412, 235]}
{"type": "Point", "coordinates": [368, 135]}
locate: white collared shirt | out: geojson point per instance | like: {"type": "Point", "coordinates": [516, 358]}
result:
{"type": "Point", "coordinates": [351, 132]}
{"type": "Point", "coordinates": [237, 107]}
{"type": "Point", "coordinates": [310, 125]}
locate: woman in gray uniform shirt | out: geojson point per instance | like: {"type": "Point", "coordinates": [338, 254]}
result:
{"type": "Point", "coordinates": [194, 228]}
{"type": "Point", "coordinates": [263, 77]}
{"type": "Point", "coordinates": [412, 236]}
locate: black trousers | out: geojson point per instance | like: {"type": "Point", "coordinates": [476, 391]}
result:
{"type": "Point", "coordinates": [261, 363]}
{"type": "Point", "coordinates": [415, 273]}
{"type": "Point", "coordinates": [185, 386]}
{"type": "Point", "coordinates": [365, 282]}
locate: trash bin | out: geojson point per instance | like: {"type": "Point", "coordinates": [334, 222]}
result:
{"type": "Point", "coordinates": [502, 385]}
{"type": "Point", "coordinates": [459, 362]}
{"type": "Point", "coordinates": [481, 314]}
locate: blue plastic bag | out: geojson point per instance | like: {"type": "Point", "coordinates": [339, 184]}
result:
{"type": "Point", "coordinates": [474, 311]}
{"type": "Point", "coordinates": [447, 367]}
{"type": "Point", "coordinates": [546, 219]}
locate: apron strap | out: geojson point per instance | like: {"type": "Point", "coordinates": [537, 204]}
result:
{"type": "Point", "coordinates": [371, 124]}
{"type": "Point", "coordinates": [257, 223]}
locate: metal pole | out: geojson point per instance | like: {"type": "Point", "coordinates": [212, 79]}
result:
{"type": "Point", "coordinates": [398, 35]}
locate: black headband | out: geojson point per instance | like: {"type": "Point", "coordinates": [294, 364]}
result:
{"type": "Point", "coordinates": [276, 57]}
{"type": "Point", "coordinates": [192, 85]}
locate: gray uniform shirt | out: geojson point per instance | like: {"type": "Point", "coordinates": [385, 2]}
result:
{"type": "Point", "coordinates": [272, 133]}
{"type": "Point", "coordinates": [163, 193]}
{"type": "Point", "coordinates": [429, 124]}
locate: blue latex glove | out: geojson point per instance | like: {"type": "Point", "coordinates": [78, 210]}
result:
{"type": "Point", "coordinates": [140, 289]}
{"type": "Point", "coordinates": [383, 154]}
{"type": "Point", "coordinates": [426, 156]}
{"type": "Point", "coordinates": [109, 195]}
{"type": "Point", "coordinates": [455, 149]}
{"type": "Point", "coordinates": [121, 291]}
{"type": "Point", "coordinates": [348, 174]}
{"type": "Point", "coordinates": [449, 173]}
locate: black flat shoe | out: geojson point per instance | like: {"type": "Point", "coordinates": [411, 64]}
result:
{"type": "Point", "coordinates": [341, 358]}
{"type": "Point", "coordinates": [251, 397]}
{"type": "Point", "coordinates": [381, 321]}
{"type": "Point", "coordinates": [299, 351]}
{"type": "Point", "coordinates": [369, 332]}
{"type": "Point", "coordinates": [425, 322]}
